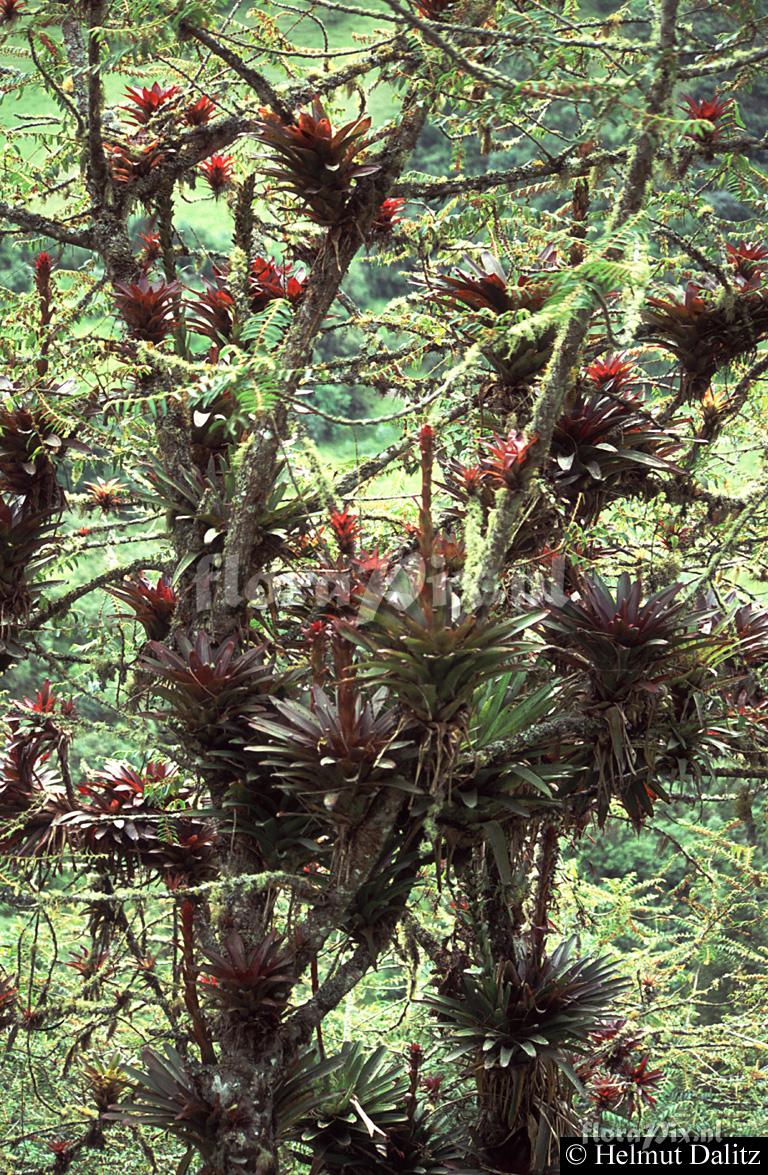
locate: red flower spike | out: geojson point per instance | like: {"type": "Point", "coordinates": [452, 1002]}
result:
{"type": "Point", "coordinates": [9, 10]}
{"type": "Point", "coordinates": [153, 607]}
{"type": "Point", "coordinates": [217, 172]}
{"type": "Point", "coordinates": [43, 268]}
{"type": "Point", "coordinates": [129, 162]}
{"type": "Point", "coordinates": [612, 374]}
{"type": "Point", "coordinates": [144, 103]}
{"type": "Point", "coordinates": [387, 217]}
{"type": "Point", "coordinates": [152, 248]}
{"type": "Point", "coordinates": [210, 314]}
{"type": "Point", "coordinates": [346, 529]}
{"type": "Point", "coordinates": [199, 113]}
{"type": "Point", "coordinates": [426, 438]}
{"type": "Point", "coordinates": [505, 458]}
{"type": "Point", "coordinates": [716, 110]}
{"type": "Point", "coordinates": [147, 308]}
{"type": "Point", "coordinates": [317, 630]}
{"type": "Point", "coordinates": [269, 281]}
{"type": "Point", "coordinates": [431, 1086]}
{"type": "Point", "coordinates": [106, 494]}
{"type": "Point", "coordinates": [749, 260]}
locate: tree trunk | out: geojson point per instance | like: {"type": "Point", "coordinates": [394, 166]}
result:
{"type": "Point", "coordinates": [247, 1141]}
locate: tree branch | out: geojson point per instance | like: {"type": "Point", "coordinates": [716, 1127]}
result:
{"type": "Point", "coordinates": [64, 603]}
{"type": "Point", "coordinates": [43, 226]}
{"type": "Point", "coordinates": [258, 83]}
{"type": "Point", "coordinates": [256, 474]}
{"type": "Point", "coordinates": [570, 340]}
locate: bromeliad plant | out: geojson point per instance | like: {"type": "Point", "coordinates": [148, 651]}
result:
{"type": "Point", "coordinates": [205, 683]}
{"type": "Point", "coordinates": [10, 10]}
{"type": "Point", "coordinates": [606, 441]}
{"type": "Point", "coordinates": [749, 261]}
{"type": "Point", "coordinates": [123, 815]}
{"type": "Point", "coordinates": [28, 446]}
{"type": "Point", "coordinates": [714, 113]}
{"type": "Point", "coordinates": [365, 1117]}
{"type": "Point", "coordinates": [218, 172]}
{"type": "Point", "coordinates": [24, 538]}
{"type": "Point", "coordinates": [254, 981]}
{"type": "Point", "coordinates": [433, 659]}
{"type": "Point", "coordinates": [315, 161]}
{"type": "Point", "coordinates": [482, 293]}
{"type": "Point", "coordinates": [707, 330]}
{"type": "Point", "coordinates": [167, 1096]}
{"type": "Point", "coordinates": [625, 641]}
{"type": "Point", "coordinates": [153, 607]}
{"type": "Point", "coordinates": [515, 1024]}
{"type": "Point", "coordinates": [211, 313]}
{"type": "Point", "coordinates": [616, 1070]}
{"type": "Point", "coordinates": [357, 740]}
{"type": "Point", "coordinates": [647, 662]}
{"type": "Point", "coordinates": [134, 160]}
{"type": "Point", "coordinates": [527, 1011]}
{"type": "Point", "coordinates": [506, 770]}
{"type": "Point", "coordinates": [148, 308]}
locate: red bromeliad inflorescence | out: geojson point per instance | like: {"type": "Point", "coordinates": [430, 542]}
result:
{"type": "Point", "coordinates": [144, 103]}
{"type": "Point", "coordinates": [199, 113]}
{"type": "Point", "coordinates": [614, 374]}
{"type": "Point", "coordinates": [152, 605]}
{"type": "Point", "coordinates": [715, 110]}
{"type": "Point", "coordinates": [10, 9]}
{"type": "Point", "coordinates": [346, 529]}
{"type": "Point", "coordinates": [43, 269]}
{"type": "Point", "coordinates": [106, 494]}
{"type": "Point", "coordinates": [750, 261]}
{"type": "Point", "coordinates": [152, 248]}
{"type": "Point", "coordinates": [505, 458]}
{"type": "Point", "coordinates": [148, 308]}
{"type": "Point", "coordinates": [217, 172]}
{"type": "Point", "coordinates": [269, 280]}
{"type": "Point", "coordinates": [387, 216]}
